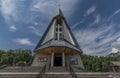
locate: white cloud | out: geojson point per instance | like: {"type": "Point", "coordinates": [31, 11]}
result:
{"type": "Point", "coordinates": [8, 9]}
{"type": "Point", "coordinates": [35, 30]}
{"type": "Point", "coordinates": [97, 19]}
{"type": "Point", "coordinates": [116, 45]}
{"type": "Point", "coordinates": [114, 50]}
{"type": "Point", "coordinates": [76, 24]}
{"type": "Point", "coordinates": [11, 9]}
{"type": "Point", "coordinates": [90, 10]}
{"type": "Point", "coordinates": [115, 13]}
{"type": "Point", "coordinates": [13, 28]}
{"type": "Point", "coordinates": [68, 6]}
{"type": "Point", "coordinates": [44, 7]}
{"type": "Point", "coordinates": [87, 39]}
{"type": "Point", "coordinates": [51, 6]}
{"type": "Point", "coordinates": [46, 10]}
{"type": "Point", "coordinates": [14, 12]}
{"type": "Point", "coordinates": [36, 23]}
{"type": "Point", "coordinates": [23, 41]}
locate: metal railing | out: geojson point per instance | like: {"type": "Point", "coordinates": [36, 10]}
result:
{"type": "Point", "coordinates": [72, 72]}
{"type": "Point", "coordinates": [42, 72]}
{"type": "Point", "coordinates": [49, 65]}
{"type": "Point", "coordinates": [66, 67]}
{"type": "Point", "coordinates": [3, 66]}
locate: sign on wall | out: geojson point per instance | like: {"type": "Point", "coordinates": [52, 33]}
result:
{"type": "Point", "coordinates": [42, 59]}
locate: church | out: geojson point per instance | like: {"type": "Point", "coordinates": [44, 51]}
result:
{"type": "Point", "coordinates": [58, 46]}
{"type": "Point", "coordinates": [57, 55]}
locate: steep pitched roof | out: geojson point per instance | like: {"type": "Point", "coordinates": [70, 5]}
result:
{"type": "Point", "coordinates": [49, 37]}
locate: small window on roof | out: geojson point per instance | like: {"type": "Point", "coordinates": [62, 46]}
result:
{"type": "Point", "coordinates": [59, 21]}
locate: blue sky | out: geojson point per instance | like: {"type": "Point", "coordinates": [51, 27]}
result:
{"type": "Point", "coordinates": [95, 23]}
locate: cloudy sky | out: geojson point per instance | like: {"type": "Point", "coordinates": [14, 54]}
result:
{"type": "Point", "coordinates": [95, 23]}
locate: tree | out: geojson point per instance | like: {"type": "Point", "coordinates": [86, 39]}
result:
{"type": "Point", "coordinates": [97, 64]}
{"type": "Point", "coordinates": [12, 57]}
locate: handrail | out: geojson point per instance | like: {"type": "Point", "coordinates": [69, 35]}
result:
{"type": "Point", "coordinates": [49, 65]}
{"type": "Point", "coordinates": [72, 72]}
{"type": "Point", "coordinates": [42, 72]}
{"type": "Point", "coordinates": [3, 66]}
{"type": "Point", "coordinates": [66, 66]}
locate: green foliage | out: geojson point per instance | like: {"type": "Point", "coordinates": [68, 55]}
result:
{"type": "Point", "coordinates": [15, 57]}
{"type": "Point", "coordinates": [97, 64]}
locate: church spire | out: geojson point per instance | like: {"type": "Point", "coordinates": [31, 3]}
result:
{"type": "Point", "coordinates": [60, 12]}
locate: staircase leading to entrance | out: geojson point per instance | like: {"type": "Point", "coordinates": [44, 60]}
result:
{"type": "Point", "coordinates": [55, 72]}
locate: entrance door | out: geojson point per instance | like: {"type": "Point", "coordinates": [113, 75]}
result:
{"type": "Point", "coordinates": [58, 60]}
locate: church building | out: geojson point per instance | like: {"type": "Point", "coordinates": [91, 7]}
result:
{"type": "Point", "coordinates": [58, 46]}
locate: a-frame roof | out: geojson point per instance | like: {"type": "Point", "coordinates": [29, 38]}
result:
{"type": "Point", "coordinates": [48, 38]}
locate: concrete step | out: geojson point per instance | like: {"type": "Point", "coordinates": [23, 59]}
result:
{"type": "Point", "coordinates": [97, 75]}
{"type": "Point", "coordinates": [18, 75]}
{"type": "Point", "coordinates": [59, 75]}
{"type": "Point", "coordinates": [34, 75]}
{"type": "Point", "coordinates": [21, 69]}
{"type": "Point", "coordinates": [57, 69]}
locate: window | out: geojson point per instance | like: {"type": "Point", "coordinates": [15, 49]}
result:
{"type": "Point", "coordinates": [56, 28]}
{"type": "Point", "coordinates": [56, 36]}
{"type": "Point", "coordinates": [61, 36]}
{"type": "Point", "coordinates": [59, 21]}
{"type": "Point", "coordinates": [60, 29]}
{"type": "Point", "coordinates": [42, 59]}
{"type": "Point", "coordinates": [73, 59]}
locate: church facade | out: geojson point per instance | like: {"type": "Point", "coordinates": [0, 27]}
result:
{"type": "Point", "coordinates": [58, 46]}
